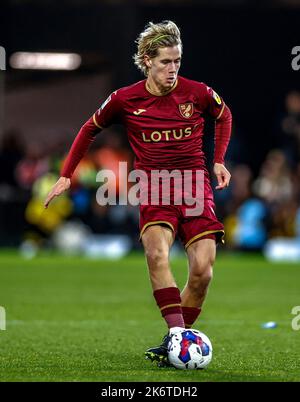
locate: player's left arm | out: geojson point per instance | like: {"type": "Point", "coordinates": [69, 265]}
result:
{"type": "Point", "coordinates": [221, 112]}
{"type": "Point", "coordinates": [222, 137]}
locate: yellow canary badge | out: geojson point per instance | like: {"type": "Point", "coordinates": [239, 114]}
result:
{"type": "Point", "coordinates": [186, 110]}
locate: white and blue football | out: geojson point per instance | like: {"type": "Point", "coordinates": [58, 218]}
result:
{"type": "Point", "coordinates": [189, 349]}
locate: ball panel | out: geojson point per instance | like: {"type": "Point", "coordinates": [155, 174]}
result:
{"type": "Point", "coordinates": [189, 349]}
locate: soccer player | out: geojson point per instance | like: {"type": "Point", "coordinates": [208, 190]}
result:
{"type": "Point", "coordinates": [164, 118]}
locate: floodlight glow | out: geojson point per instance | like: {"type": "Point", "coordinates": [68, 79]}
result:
{"type": "Point", "coordinates": [45, 61]}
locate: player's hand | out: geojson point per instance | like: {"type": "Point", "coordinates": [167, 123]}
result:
{"type": "Point", "coordinates": [62, 184]}
{"type": "Point", "coordinates": [223, 176]}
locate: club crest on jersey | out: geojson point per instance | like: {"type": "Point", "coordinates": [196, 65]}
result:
{"type": "Point", "coordinates": [186, 110]}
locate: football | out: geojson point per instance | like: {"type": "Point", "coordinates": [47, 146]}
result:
{"type": "Point", "coordinates": [189, 349]}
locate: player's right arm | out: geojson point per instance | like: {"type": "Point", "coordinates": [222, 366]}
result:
{"type": "Point", "coordinates": [62, 184]}
{"type": "Point", "coordinates": [78, 149]}
{"type": "Point", "coordinates": [106, 115]}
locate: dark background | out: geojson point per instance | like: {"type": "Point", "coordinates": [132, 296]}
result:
{"type": "Point", "coordinates": [242, 50]}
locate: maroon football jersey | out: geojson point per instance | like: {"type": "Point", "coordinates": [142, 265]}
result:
{"type": "Point", "coordinates": [165, 132]}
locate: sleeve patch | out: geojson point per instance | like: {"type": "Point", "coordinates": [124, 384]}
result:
{"type": "Point", "coordinates": [106, 101]}
{"type": "Point", "coordinates": [216, 98]}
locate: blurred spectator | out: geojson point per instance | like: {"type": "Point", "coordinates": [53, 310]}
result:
{"type": "Point", "coordinates": [296, 182]}
{"type": "Point", "coordinates": [290, 126]}
{"type": "Point", "coordinates": [254, 209]}
{"type": "Point", "coordinates": [12, 199]}
{"type": "Point", "coordinates": [110, 155]}
{"type": "Point", "coordinates": [274, 183]}
{"type": "Point", "coordinates": [298, 223]}
{"type": "Point", "coordinates": [239, 189]}
{"type": "Point", "coordinates": [32, 166]}
{"type": "Point", "coordinates": [46, 221]}
{"type": "Point", "coordinates": [11, 152]}
{"type": "Point", "coordinates": [245, 221]}
{"type": "Point", "coordinates": [251, 232]}
{"type": "Point", "coordinates": [283, 219]}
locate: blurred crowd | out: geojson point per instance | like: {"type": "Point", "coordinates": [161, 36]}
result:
{"type": "Point", "coordinates": [267, 205]}
{"type": "Point", "coordinates": [255, 208]}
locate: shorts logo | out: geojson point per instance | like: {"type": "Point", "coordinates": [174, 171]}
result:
{"type": "Point", "coordinates": [186, 110]}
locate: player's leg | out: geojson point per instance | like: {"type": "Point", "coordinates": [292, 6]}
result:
{"type": "Point", "coordinates": [199, 234]}
{"type": "Point", "coordinates": [201, 257]}
{"type": "Point", "coordinates": [157, 241]}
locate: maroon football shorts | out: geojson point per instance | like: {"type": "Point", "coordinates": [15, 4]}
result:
{"type": "Point", "coordinates": [188, 228]}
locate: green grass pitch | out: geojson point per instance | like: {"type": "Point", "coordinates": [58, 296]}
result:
{"type": "Point", "coordinates": [73, 319]}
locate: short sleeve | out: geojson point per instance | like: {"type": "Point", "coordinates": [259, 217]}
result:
{"type": "Point", "coordinates": [215, 104]}
{"type": "Point", "coordinates": [109, 112]}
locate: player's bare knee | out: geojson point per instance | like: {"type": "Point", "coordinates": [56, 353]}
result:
{"type": "Point", "coordinates": [200, 279]}
{"type": "Point", "coordinates": [156, 256]}
{"type": "Point", "coordinates": [201, 263]}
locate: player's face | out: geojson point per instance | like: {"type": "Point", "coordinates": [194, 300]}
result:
{"type": "Point", "coordinates": [163, 69]}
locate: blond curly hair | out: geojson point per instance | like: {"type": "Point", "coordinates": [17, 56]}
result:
{"type": "Point", "coordinates": [155, 36]}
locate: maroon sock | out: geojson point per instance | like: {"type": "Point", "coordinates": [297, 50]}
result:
{"type": "Point", "coordinates": [169, 303]}
{"type": "Point", "coordinates": [190, 315]}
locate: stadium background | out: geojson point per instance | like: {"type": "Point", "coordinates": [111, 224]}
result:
{"type": "Point", "coordinates": [241, 48]}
